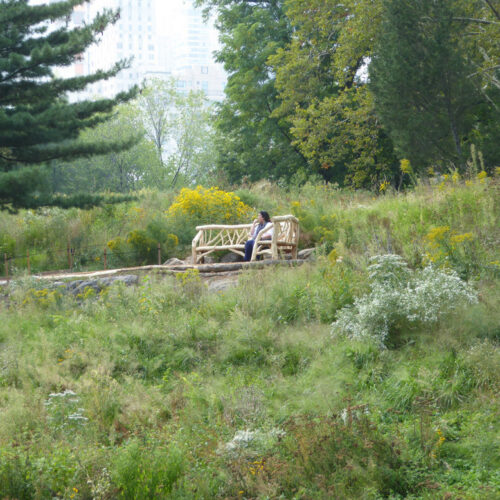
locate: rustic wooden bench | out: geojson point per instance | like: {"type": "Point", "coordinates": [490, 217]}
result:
{"type": "Point", "coordinates": [211, 238]}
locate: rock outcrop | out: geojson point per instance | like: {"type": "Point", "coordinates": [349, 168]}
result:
{"type": "Point", "coordinates": [79, 286]}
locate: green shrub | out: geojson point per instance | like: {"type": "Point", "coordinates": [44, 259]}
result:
{"type": "Point", "coordinates": [141, 246]}
{"type": "Point", "coordinates": [146, 469]}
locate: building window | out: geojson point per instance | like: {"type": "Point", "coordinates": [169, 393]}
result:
{"type": "Point", "coordinates": [151, 47]}
{"type": "Point", "coordinates": [204, 70]}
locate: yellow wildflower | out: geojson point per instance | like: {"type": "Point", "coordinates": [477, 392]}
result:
{"type": "Point", "coordinates": [406, 166]}
{"type": "Point", "coordinates": [459, 238]}
{"type": "Point", "coordinates": [383, 186]}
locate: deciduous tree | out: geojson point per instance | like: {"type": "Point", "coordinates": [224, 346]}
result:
{"type": "Point", "coordinates": [178, 124]}
{"type": "Point", "coordinates": [252, 142]}
{"type": "Point", "coordinates": [321, 80]}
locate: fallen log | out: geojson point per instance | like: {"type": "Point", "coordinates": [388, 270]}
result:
{"type": "Point", "coordinates": [208, 270]}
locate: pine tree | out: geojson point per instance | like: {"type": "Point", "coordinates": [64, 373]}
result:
{"type": "Point", "coordinates": [38, 122]}
{"type": "Point", "coordinates": [420, 76]}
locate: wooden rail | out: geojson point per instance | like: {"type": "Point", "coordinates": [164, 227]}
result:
{"type": "Point", "coordinates": [211, 238]}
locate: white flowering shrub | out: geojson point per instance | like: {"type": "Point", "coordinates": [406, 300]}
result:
{"type": "Point", "coordinates": [400, 296]}
{"type": "Point", "coordinates": [63, 410]}
{"type": "Point", "coordinates": [251, 442]}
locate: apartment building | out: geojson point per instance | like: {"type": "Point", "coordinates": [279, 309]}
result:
{"type": "Point", "coordinates": [163, 38]}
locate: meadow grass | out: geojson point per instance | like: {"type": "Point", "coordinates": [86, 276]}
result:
{"type": "Point", "coordinates": [167, 390]}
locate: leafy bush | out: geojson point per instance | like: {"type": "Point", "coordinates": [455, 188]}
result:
{"type": "Point", "coordinates": [320, 457]}
{"type": "Point", "coordinates": [209, 205]}
{"type": "Point", "coordinates": [447, 248]}
{"type": "Point", "coordinates": [400, 297]}
{"type": "Point", "coordinates": [141, 246]}
{"type": "Point", "coordinates": [149, 471]}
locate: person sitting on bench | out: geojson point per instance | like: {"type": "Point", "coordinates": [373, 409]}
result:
{"type": "Point", "coordinates": [263, 220]}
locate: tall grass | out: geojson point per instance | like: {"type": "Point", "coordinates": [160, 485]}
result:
{"type": "Point", "coordinates": [167, 390]}
{"type": "Point", "coordinates": [354, 223]}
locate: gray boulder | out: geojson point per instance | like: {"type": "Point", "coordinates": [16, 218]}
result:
{"type": "Point", "coordinates": [84, 285]}
{"type": "Point", "coordinates": [306, 254]}
{"type": "Point", "coordinates": [127, 279]}
{"type": "Point", "coordinates": [231, 257]}
{"type": "Point", "coordinates": [174, 261]}
{"type": "Point", "coordinates": [79, 286]}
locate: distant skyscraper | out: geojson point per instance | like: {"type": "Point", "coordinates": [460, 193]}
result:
{"type": "Point", "coordinates": [194, 67]}
{"type": "Point", "coordinates": [165, 38]}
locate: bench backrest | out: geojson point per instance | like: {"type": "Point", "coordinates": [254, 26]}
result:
{"type": "Point", "coordinates": [217, 235]}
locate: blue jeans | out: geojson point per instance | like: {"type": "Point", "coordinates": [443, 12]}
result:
{"type": "Point", "coordinates": [248, 250]}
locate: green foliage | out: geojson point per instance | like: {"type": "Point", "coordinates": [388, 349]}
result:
{"type": "Point", "coordinates": [341, 90]}
{"type": "Point", "coordinates": [193, 393]}
{"type": "Point", "coordinates": [119, 172]}
{"type": "Point", "coordinates": [251, 142]}
{"type": "Point", "coordinates": [147, 470]}
{"type": "Point", "coordinates": [141, 246]}
{"type": "Point", "coordinates": [331, 111]}
{"type": "Point", "coordinates": [37, 122]}
{"type": "Point", "coordinates": [179, 127]}
{"type": "Point", "coordinates": [399, 299]}
{"type": "Point", "coordinates": [427, 92]}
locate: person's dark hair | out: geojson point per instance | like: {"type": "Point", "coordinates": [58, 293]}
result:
{"type": "Point", "coordinates": [265, 215]}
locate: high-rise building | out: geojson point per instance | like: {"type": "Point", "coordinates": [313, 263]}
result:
{"type": "Point", "coordinates": [193, 64]}
{"type": "Point", "coordinates": [164, 38]}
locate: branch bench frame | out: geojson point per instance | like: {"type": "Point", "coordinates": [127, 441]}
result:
{"type": "Point", "coordinates": [213, 237]}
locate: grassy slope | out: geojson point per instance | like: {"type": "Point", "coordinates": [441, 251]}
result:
{"type": "Point", "coordinates": [166, 374]}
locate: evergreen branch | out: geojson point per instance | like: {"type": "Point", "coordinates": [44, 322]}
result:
{"type": "Point", "coordinates": [27, 90]}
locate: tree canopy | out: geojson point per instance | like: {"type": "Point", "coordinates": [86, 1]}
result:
{"type": "Point", "coordinates": [356, 86]}
{"type": "Point", "coordinates": [324, 95]}
{"type": "Point", "coordinates": [252, 143]}
{"type": "Point", "coordinates": [38, 121]}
